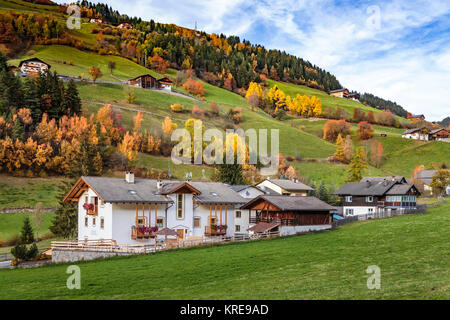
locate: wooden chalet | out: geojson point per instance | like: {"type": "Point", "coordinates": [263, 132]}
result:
{"type": "Point", "coordinates": [289, 210]}
{"type": "Point", "coordinates": [147, 81]}
{"type": "Point", "coordinates": [439, 134]}
{"type": "Point", "coordinates": [33, 66]}
{"type": "Point", "coordinates": [341, 93]}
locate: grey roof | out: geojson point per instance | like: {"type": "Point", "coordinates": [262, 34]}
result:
{"type": "Point", "coordinates": [291, 203]}
{"type": "Point", "coordinates": [338, 90]}
{"type": "Point", "coordinates": [412, 130]}
{"type": "Point", "coordinates": [400, 189]}
{"type": "Point", "coordinates": [290, 185]}
{"type": "Point", "coordinates": [216, 192]}
{"type": "Point", "coordinates": [365, 188]}
{"type": "Point", "coordinates": [240, 187]}
{"type": "Point", "coordinates": [146, 191]}
{"type": "Point", "coordinates": [118, 190]}
{"type": "Point", "coordinates": [437, 130]}
{"type": "Point", "coordinates": [426, 176]}
{"type": "Point", "coordinates": [389, 178]}
{"type": "Point", "coordinates": [263, 227]}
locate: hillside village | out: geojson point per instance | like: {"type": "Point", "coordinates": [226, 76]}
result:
{"type": "Point", "coordinates": [86, 119]}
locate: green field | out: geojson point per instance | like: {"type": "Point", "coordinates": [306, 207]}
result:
{"type": "Point", "coordinates": [56, 55]}
{"type": "Point", "coordinates": [411, 251]}
{"type": "Point", "coordinates": [18, 192]}
{"type": "Point", "coordinates": [11, 224]}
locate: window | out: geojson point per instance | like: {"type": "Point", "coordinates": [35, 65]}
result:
{"type": "Point", "coordinates": [213, 221]}
{"type": "Point", "coordinates": [180, 206]}
{"type": "Point", "coordinates": [197, 222]}
{"type": "Point", "coordinates": [237, 228]}
{"type": "Point", "coordinates": [370, 210]}
{"type": "Point", "coordinates": [238, 214]}
{"type": "Point", "coordinates": [349, 212]}
{"type": "Point", "coordinates": [102, 223]}
{"type": "Point", "coordinates": [140, 221]}
{"type": "Point", "coordinates": [86, 221]}
{"type": "Point", "coordinates": [160, 222]}
{"type": "Point", "coordinates": [369, 199]}
{"type": "Point", "coordinates": [86, 199]}
{"type": "Point", "coordinates": [348, 198]}
{"type": "Point", "coordinates": [93, 221]}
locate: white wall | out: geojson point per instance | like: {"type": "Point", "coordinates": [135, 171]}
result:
{"type": "Point", "coordinates": [291, 230]}
{"type": "Point", "coordinates": [187, 221]}
{"type": "Point", "coordinates": [92, 232]}
{"type": "Point", "coordinates": [358, 210]}
{"type": "Point", "coordinates": [270, 185]}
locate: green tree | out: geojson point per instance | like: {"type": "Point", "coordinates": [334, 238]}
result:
{"type": "Point", "coordinates": [27, 233]}
{"type": "Point", "coordinates": [357, 166]}
{"type": "Point", "coordinates": [72, 101]}
{"type": "Point", "coordinates": [65, 222]}
{"type": "Point", "coordinates": [323, 192]}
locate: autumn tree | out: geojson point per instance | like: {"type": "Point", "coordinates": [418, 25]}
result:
{"type": "Point", "coordinates": [364, 130]}
{"type": "Point", "coordinates": [159, 64]}
{"type": "Point", "coordinates": [348, 149]}
{"type": "Point", "coordinates": [357, 166]}
{"type": "Point", "coordinates": [111, 66]}
{"type": "Point", "coordinates": [168, 126]}
{"type": "Point", "coordinates": [339, 154]}
{"type": "Point", "coordinates": [95, 73]}
{"type": "Point", "coordinates": [440, 182]}
{"type": "Point", "coordinates": [333, 128]}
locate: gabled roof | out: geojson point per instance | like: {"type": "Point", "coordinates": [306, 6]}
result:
{"type": "Point", "coordinates": [437, 130]}
{"type": "Point", "coordinates": [426, 174]}
{"type": "Point", "coordinates": [414, 130]}
{"type": "Point", "coordinates": [338, 90]}
{"type": "Point", "coordinates": [240, 187]}
{"type": "Point", "coordinates": [290, 185]}
{"type": "Point", "coordinates": [34, 59]}
{"type": "Point", "coordinates": [216, 193]}
{"type": "Point", "coordinates": [290, 203]}
{"type": "Point", "coordinates": [143, 75]}
{"type": "Point", "coordinates": [366, 188]}
{"type": "Point", "coordinates": [402, 189]}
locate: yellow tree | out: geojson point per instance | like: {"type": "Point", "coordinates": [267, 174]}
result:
{"type": "Point", "coordinates": [339, 154]}
{"type": "Point", "coordinates": [168, 126]}
{"type": "Point", "coordinates": [126, 147]}
{"type": "Point", "coordinates": [137, 120]}
{"type": "Point", "coordinates": [276, 98]}
{"type": "Point", "coordinates": [95, 73]}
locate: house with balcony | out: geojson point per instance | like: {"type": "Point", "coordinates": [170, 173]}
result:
{"type": "Point", "coordinates": [131, 211]}
{"type": "Point", "coordinates": [33, 67]}
{"type": "Point", "coordinates": [288, 215]}
{"type": "Point", "coordinates": [375, 194]}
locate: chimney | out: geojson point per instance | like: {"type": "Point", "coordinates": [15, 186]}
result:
{"type": "Point", "coordinates": [385, 182]}
{"type": "Point", "coordinates": [368, 184]}
{"type": "Point", "coordinates": [393, 178]}
{"type": "Point", "coordinates": [295, 180]}
{"type": "Point", "coordinates": [158, 185]}
{"type": "Point", "coordinates": [129, 177]}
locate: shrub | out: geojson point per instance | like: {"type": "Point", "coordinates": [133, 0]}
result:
{"type": "Point", "coordinates": [176, 107]}
{"type": "Point", "coordinates": [364, 131]}
{"type": "Point", "coordinates": [214, 108]}
{"type": "Point", "coordinates": [198, 112]}
{"type": "Point", "coordinates": [333, 128]}
{"type": "Point", "coordinates": [31, 52]}
{"type": "Point", "coordinates": [194, 87]}
{"type": "Point", "coordinates": [2, 242]}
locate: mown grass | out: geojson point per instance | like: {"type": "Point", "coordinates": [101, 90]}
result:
{"type": "Point", "coordinates": [11, 224]}
{"type": "Point", "coordinates": [411, 251]}
{"type": "Point", "coordinates": [16, 192]}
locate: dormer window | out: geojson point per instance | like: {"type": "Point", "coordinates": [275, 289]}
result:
{"type": "Point", "coordinates": [214, 194]}
{"type": "Point", "coordinates": [132, 192]}
{"type": "Point", "coordinates": [369, 199]}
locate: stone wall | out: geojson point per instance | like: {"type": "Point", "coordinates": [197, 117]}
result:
{"type": "Point", "coordinates": [292, 230]}
{"type": "Point", "coordinates": [61, 255]}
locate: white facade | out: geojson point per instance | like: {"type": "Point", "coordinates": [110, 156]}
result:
{"type": "Point", "coordinates": [357, 210]}
{"type": "Point", "coordinates": [115, 220]}
{"type": "Point", "coordinates": [416, 136]}
{"type": "Point", "coordinates": [33, 67]}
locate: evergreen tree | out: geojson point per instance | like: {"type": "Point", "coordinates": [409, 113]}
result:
{"type": "Point", "coordinates": [358, 165]}
{"type": "Point", "coordinates": [323, 192]}
{"type": "Point", "coordinates": [18, 131]}
{"type": "Point", "coordinates": [31, 99]}
{"type": "Point", "coordinates": [27, 233]}
{"type": "Point", "coordinates": [65, 222]}
{"type": "Point", "coordinates": [72, 101]}
{"type": "Point", "coordinates": [230, 173]}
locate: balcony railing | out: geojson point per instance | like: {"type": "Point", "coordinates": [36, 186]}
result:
{"type": "Point", "coordinates": [143, 232]}
{"type": "Point", "coordinates": [215, 230]}
{"type": "Point", "coordinates": [283, 222]}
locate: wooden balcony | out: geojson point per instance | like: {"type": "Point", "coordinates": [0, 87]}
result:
{"type": "Point", "coordinates": [283, 222]}
{"type": "Point", "coordinates": [93, 211]}
{"type": "Point", "coordinates": [215, 231]}
{"type": "Point", "coordinates": [141, 232]}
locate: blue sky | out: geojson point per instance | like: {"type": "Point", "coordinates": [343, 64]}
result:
{"type": "Point", "coordinates": [398, 50]}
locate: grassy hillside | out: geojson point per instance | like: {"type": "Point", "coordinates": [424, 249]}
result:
{"type": "Point", "coordinates": [11, 223]}
{"type": "Point", "coordinates": [411, 252]}
{"type": "Point", "coordinates": [59, 56]}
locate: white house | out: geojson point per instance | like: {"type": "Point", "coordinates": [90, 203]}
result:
{"type": "Point", "coordinates": [33, 66]}
{"type": "Point", "coordinates": [417, 134]}
{"type": "Point", "coordinates": [129, 210]}
{"type": "Point", "coordinates": [426, 177]}
{"type": "Point", "coordinates": [284, 187]}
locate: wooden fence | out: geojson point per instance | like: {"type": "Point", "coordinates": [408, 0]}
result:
{"type": "Point", "coordinates": [380, 215]}
{"type": "Point", "coordinates": [108, 245]}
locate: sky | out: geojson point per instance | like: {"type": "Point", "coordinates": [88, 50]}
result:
{"type": "Point", "coordinates": [397, 50]}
